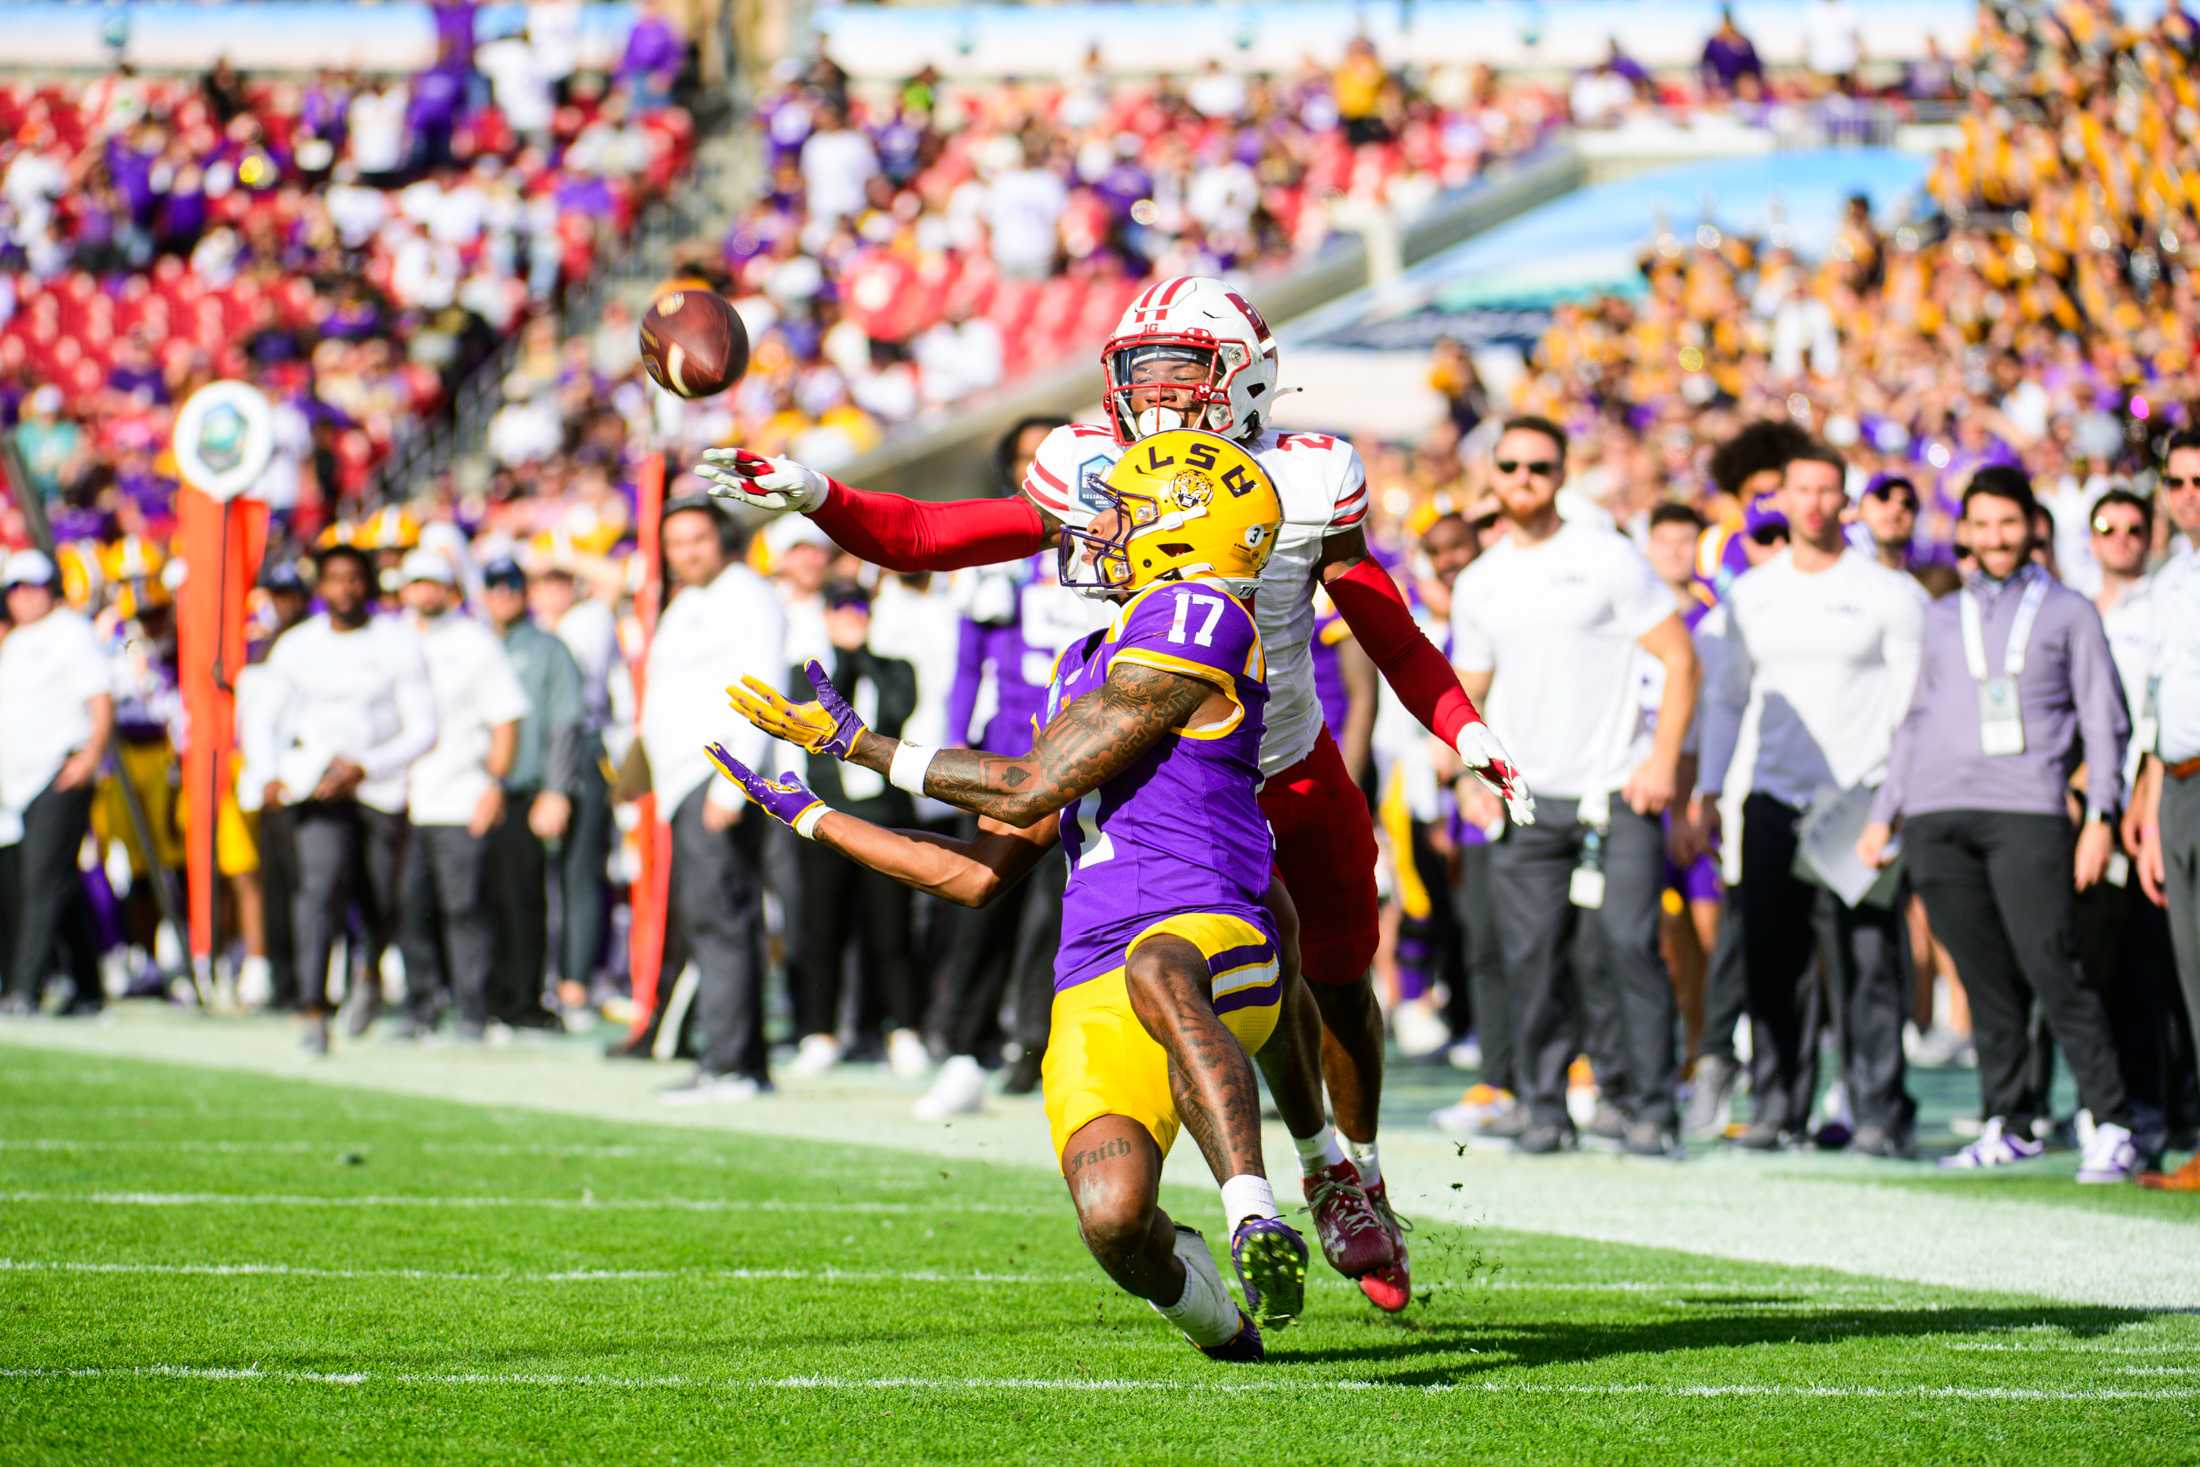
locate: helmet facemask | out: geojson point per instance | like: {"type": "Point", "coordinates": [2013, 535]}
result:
{"type": "Point", "coordinates": [1209, 408]}
{"type": "Point", "coordinates": [1099, 565]}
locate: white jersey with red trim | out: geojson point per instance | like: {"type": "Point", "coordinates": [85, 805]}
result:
{"type": "Point", "coordinates": [1324, 489]}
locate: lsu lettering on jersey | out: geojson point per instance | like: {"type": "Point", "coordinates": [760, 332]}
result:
{"type": "Point", "coordinates": [1323, 488]}
{"type": "Point", "coordinates": [1180, 829]}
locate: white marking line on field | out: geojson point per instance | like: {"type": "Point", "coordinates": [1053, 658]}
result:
{"type": "Point", "coordinates": [577, 1204]}
{"type": "Point", "coordinates": [2074, 1347]}
{"type": "Point", "coordinates": [1077, 1385]}
{"type": "Point", "coordinates": [616, 1152]}
{"type": "Point", "coordinates": [789, 1275]}
{"type": "Point", "coordinates": [553, 1276]}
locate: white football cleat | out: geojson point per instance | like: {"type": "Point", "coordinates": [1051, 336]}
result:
{"type": "Point", "coordinates": [959, 1091]}
{"type": "Point", "coordinates": [816, 1054]}
{"type": "Point", "coordinates": [1419, 1029]}
{"type": "Point", "coordinates": [906, 1055]}
{"type": "Point", "coordinates": [2110, 1155]}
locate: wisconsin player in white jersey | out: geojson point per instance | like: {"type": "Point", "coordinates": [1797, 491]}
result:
{"type": "Point", "coordinates": [1190, 352]}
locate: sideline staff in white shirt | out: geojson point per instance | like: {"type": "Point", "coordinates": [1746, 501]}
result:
{"type": "Point", "coordinates": [1546, 626]}
{"type": "Point", "coordinates": [1821, 655]}
{"type": "Point", "coordinates": [723, 622]}
{"type": "Point", "coordinates": [59, 714]}
{"type": "Point", "coordinates": [2123, 939]}
{"type": "Point", "coordinates": [352, 709]}
{"type": "Point", "coordinates": [456, 799]}
{"type": "Point", "coordinates": [2163, 823]}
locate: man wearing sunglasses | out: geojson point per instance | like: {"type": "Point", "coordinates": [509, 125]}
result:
{"type": "Point", "coordinates": [1548, 623]}
{"type": "Point", "coordinates": [1887, 510]}
{"type": "Point", "coordinates": [2162, 824]}
{"type": "Point", "coordinates": [2123, 939]}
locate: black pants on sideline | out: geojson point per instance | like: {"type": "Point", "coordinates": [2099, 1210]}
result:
{"type": "Point", "coordinates": [49, 905]}
{"type": "Point", "coordinates": [1865, 984]}
{"type": "Point", "coordinates": [2124, 944]}
{"type": "Point", "coordinates": [1530, 872]}
{"type": "Point", "coordinates": [347, 853]}
{"type": "Point", "coordinates": [717, 921]}
{"type": "Point", "coordinates": [519, 899]}
{"type": "Point", "coordinates": [1997, 887]}
{"type": "Point", "coordinates": [1475, 907]}
{"type": "Point", "coordinates": [447, 932]}
{"type": "Point", "coordinates": [584, 890]}
{"type": "Point", "coordinates": [844, 906]}
{"type": "Point", "coordinates": [1006, 951]}
{"type": "Point", "coordinates": [1725, 981]}
{"type": "Point", "coordinates": [2181, 862]}
{"type": "Point", "coordinates": [276, 836]}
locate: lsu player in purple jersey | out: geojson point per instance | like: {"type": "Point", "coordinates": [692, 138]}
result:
{"type": "Point", "coordinates": [1192, 353]}
{"type": "Point", "coordinates": [1171, 972]}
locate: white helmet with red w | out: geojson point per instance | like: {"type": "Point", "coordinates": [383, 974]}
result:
{"type": "Point", "coordinates": [1199, 319]}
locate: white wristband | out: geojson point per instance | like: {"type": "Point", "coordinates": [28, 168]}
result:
{"type": "Point", "coordinates": [805, 824]}
{"type": "Point", "coordinates": [910, 763]}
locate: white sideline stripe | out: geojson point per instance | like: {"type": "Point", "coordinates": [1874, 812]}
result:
{"type": "Point", "coordinates": [792, 1275]}
{"type": "Point", "coordinates": [575, 1204]}
{"type": "Point", "coordinates": [557, 1276]}
{"type": "Point", "coordinates": [2079, 1347]}
{"type": "Point", "coordinates": [1079, 1385]}
{"type": "Point", "coordinates": [468, 1148]}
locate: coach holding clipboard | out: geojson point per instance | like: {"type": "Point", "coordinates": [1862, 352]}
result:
{"type": "Point", "coordinates": [2017, 687]}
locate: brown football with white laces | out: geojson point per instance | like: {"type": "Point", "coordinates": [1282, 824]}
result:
{"type": "Point", "coordinates": [693, 343]}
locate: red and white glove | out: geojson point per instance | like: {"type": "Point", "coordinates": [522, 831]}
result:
{"type": "Point", "coordinates": [773, 484]}
{"type": "Point", "coordinates": [1488, 762]}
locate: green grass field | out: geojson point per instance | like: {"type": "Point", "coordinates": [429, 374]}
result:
{"type": "Point", "coordinates": [219, 1264]}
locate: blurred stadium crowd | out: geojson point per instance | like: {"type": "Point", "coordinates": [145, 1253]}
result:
{"type": "Point", "coordinates": [356, 245]}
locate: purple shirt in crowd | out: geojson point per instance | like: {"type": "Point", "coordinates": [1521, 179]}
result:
{"type": "Point", "coordinates": [2073, 710]}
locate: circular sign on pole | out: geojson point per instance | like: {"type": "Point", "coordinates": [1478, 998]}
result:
{"type": "Point", "coordinates": [225, 436]}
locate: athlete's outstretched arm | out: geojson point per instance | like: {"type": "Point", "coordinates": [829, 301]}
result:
{"type": "Point", "coordinates": [1089, 742]}
{"type": "Point", "coordinates": [969, 873]}
{"type": "Point", "coordinates": [1421, 676]}
{"type": "Point", "coordinates": [898, 533]}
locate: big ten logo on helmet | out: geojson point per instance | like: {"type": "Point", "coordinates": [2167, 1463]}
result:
{"type": "Point", "coordinates": [1092, 482]}
{"type": "Point", "coordinates": [1202, 455]}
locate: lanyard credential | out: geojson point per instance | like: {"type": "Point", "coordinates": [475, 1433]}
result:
{"type": "Point", "coordinates": [2001, 717]}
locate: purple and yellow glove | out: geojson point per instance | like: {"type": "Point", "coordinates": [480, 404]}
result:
{"type": "Point", "coordinates": [828, 726]}
{"type": "Point", "coordinates": [786, 799]}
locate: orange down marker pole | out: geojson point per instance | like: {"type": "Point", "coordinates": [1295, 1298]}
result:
{"type": "Point", "coordinates": [222, 545]}
{"type": "Point", "coordinates": [652, 892]}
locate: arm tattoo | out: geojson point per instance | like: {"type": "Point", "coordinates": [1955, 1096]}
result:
{"type": "Point", "coordinates": [1088, 743]}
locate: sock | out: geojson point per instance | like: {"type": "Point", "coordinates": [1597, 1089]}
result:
{"type": "Point", "coordinates": [1318, 1152]}
{"type": "Point", "coordinates": [1204, 1311]}
{"type": "Point", "coordinates": [1363, 1157]}
{"type": "Point", "coordinates": [1247, 1195]}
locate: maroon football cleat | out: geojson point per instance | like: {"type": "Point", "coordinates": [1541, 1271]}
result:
{"type": "Point", "coordinates": [1389, 1288]}
{"type": "Point", "coordinates": [1353, 1238]}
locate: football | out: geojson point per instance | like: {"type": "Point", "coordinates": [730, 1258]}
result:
{"type": "Point", "coordinates": [693, 343]}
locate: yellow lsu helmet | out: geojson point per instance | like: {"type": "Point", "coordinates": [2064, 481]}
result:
{"type": "Point", "coordinates": [83, 567]}
{"type": "Point", "coordinates": [134, 565]}
{"type": "Point", "coordinates": [389, 528]}
{"type": "Point", "coordinates": [1185, 505]}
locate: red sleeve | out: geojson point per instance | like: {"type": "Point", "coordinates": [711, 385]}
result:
{"type": "Point", "coordinates": [918, 535]}
{"type": "Point", "coordinates": [1371, 606]}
